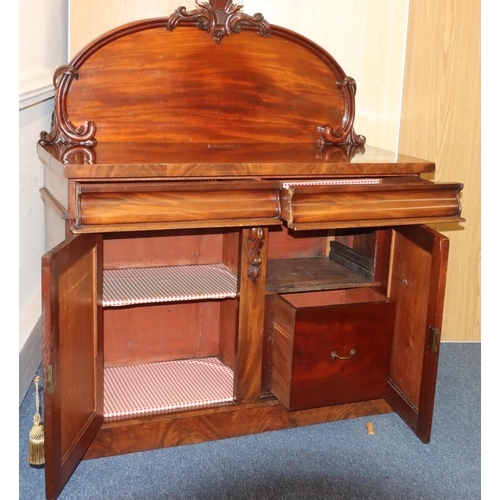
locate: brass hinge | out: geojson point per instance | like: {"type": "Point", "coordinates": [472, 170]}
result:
{"type": "Point", "coordinates": [48, 379]}
{"type": "Point", "coordinates": [434, 335]}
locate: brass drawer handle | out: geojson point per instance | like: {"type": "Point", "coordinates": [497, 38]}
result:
{"type": "Point", "coordinates": [334, 355]}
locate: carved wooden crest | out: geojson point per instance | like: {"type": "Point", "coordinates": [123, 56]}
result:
{"type": "Point", "coordinates": [219, 18]}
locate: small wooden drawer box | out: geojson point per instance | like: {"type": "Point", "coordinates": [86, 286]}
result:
{"type": "Point", "coordinates": [331, 347]}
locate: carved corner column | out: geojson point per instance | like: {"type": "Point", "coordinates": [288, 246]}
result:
{"type": "Point", "coordinates": [252, 288]}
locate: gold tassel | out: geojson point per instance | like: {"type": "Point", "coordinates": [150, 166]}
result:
{"type": "Point", "coordinates": [36, 443]}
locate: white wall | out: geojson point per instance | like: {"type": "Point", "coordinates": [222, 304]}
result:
{"type": "Point", "coordinates": [43, 41]}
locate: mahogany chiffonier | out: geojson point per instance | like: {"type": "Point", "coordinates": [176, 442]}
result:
{"type": "Point", "coordinates": [236, 259]}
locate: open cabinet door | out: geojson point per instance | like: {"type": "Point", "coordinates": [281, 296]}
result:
{"type": "Point", "coordinates": [417, 283]}
{"type": "Point", "coordinates": [72, 354]}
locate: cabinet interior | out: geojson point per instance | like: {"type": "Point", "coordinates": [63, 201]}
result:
{"type": "Point", "coordinates": [168, 347]}
{"type": "Point", "coordinates": [171, 304]}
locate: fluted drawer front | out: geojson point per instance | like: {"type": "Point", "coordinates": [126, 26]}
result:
{"type": "Point", "coordinates": [135, 203]}
{"type": "Point", "coordinates": [393, 200]}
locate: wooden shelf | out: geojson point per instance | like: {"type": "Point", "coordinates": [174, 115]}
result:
{"type": "Point", "coordinates": [150, 285]}
{"type": "Point", "coordinates": [303, 275]}
{"type": "Point", "coordinates": [147, 389]}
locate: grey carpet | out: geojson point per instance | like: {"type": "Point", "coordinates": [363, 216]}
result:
{"type": "Point", "coordinates": [338, 460]}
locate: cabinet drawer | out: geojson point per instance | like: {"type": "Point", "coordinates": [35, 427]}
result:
{"type": "Point", "coordinates": [171, 203]}
{"type": "Point", "coordinates": [368, 202]}
{"type": "Point", "coordinates": [331, 347]}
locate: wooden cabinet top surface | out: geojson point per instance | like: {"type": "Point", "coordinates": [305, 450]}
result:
{"type": "Point", "coordinates": [146, 160]}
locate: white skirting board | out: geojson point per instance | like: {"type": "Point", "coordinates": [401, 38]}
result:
{"type": "Point", "coordinates": [30, 358]}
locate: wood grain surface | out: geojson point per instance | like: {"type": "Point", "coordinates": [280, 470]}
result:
{"type": "Point", "coordinates": [150, 433]}
{"type": "Point", "coordinates": [441, 122]}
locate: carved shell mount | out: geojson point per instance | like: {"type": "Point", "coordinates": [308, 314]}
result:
{"type": "Point", "coordinates": [219, 18]}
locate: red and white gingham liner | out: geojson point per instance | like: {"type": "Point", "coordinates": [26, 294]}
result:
{"type": "Point", "coordinates": [168, 386]}
{"type": "Point", "coordinates": [125, 287]}
{"type": "Point", "coordinates": [330, 182]}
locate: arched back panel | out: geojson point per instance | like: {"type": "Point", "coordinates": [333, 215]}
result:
{"type": "Point", "coordinates": [171, 82]}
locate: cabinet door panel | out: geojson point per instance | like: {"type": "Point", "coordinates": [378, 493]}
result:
{"type": "Point", "coordinates": [417, 283]}
{"type": "Point", "coordinates": [72, 354]}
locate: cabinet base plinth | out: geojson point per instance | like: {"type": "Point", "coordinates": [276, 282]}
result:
{"type": "Point", "coordinates": [197, 426]}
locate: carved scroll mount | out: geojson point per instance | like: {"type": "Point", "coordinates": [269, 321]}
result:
{"type": "Point", "coordinates": [254, 246]}
{"type": "Point", "coordinates": [63, 132]}
{"type": "Point", "coordinates": [219, 18]}
{"type": "Point", "coordinates": [330, 137]}
{"type": "Point", "coordinates": [66, 69]}
{"type": "Point", "coordinates": [60, 137]}
{"type": "Point", "coordinates": [348, 81]}
{"type": "Point", "coordinates": [346, 134]}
